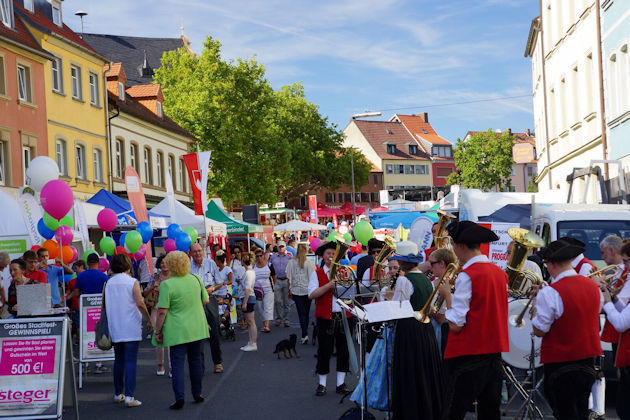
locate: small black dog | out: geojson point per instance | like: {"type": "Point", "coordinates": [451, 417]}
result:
{"type": "Point", "coordinates": [285, 346]}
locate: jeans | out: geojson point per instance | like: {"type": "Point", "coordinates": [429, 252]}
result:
{"type": "Point", "coordinates": [178, 355]}
{"type": "Point", "coordinates": [303, 306]}
{"type": "Point", "coordinates": [281, 299]}
{"type": "Point", "coordinates": [125, 359]}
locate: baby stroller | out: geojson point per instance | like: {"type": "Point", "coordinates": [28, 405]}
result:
{"type": "Point", "coordinates": [226, 328]}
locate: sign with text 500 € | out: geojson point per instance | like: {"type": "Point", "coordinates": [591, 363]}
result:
{"type": "Point", "coordinates": [90, 310]}
{"type": "Point", "coordinates": [31, 367]}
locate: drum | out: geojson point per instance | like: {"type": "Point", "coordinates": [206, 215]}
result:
{"type": "Point", "coordinates": [520, 337]}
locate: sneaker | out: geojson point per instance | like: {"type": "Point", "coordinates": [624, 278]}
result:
{"type": "Point", "coordinates": [132, 402]}
{"type": "Point", "coordinates": [119, 398]}
{"type": "Point", "coordinates": [305, 340]}
{"type": "Point", "coordinates": [320, 391]}
{"type": "Point", "coordinates": [101, 369]}
{"type": "Point", "coordinates": [160, 372]}
{"type": "Point", "coordinates": [287, 324]}
{"type": "Point", "coordinates": [250, 347]}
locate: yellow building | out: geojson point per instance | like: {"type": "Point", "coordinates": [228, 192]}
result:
{"type": "Point", "coordinates": [75, 100]}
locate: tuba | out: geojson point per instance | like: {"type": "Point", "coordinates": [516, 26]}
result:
{"type": "Point", "coordinates": [520, 280]}
{"type": "Point", "coordinates": [450, 274]}
{"type": "Point", "coordinates": [341, 274]}
{"type": "Point", "coordinates": [387, 251]}
{"type": "Point", "coordinates": [441, 238]}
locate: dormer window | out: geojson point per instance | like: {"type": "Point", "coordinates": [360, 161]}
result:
{"type": "Point", "coordinates": [391, 149]}
{"type": "Point", "coordinates": [56, 13]}
{"type": "Point", "coordinates": [442, 151]}
{"type": "Point", "coordinates": [28, 5]}
{"type": "Point", "coordinates": [6, 13]}
{"type": "Point", "coordinates": [159, 109]}
{"type": "Point", "coordinates": [121, 91]}
{"type": "Point", "coordinates": [413, 149]}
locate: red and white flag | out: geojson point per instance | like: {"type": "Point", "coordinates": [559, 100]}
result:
{"type": "Point", "coordinates": [197, 165]}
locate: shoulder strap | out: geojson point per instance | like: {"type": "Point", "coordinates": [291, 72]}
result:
{"type": "Point", "coordinates": [103, 298]}
{"type": "Point", "coordinates": [200, 285]}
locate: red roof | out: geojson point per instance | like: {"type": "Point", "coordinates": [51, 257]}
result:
{"type": "Point", "coordinates": [21, 35]}
{"type": "Point", "coordinates": [144, 91]}
{"type": "Point", "coordinates": [516, 137]}
{"type": "Point", "coordinates": [115, 71]}
{"type": "Point", "coordinates": [418, 127]}
{"type": "Point", "coordinates": [380, 133]}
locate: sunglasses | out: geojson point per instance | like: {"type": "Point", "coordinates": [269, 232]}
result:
{"type": "Point", "coordinates": [258, 255]}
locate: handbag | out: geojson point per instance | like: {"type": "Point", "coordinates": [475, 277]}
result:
{"type": "Point", "coordinates": [259, 291]}
{"type": "Point", "coordinates": [101, 328]}
{"type": "Point", "coordinates": [151, 299]}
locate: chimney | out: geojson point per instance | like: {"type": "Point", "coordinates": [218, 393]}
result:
{"type": "Point", "coordinates": [424, 116]}
{"type": "Point", "coordinates": [528, 133]}
{"type": "Point", "coordinates": [509, 131]}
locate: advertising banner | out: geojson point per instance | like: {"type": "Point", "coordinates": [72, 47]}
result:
{"type": "Point", "coordinates": [31, 212]}
{"type": "Point", "coordinates": [138, 204]}
{"type": "Point", "coordinates": [32, 367]}
{"type": "Point", "coordinates": [497, 251]}
{"type": "Point", "coordinates": [312, 207]}
{"type": "Point", "coordinates": [90, 310]}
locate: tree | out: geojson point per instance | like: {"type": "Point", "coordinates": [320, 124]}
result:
{"type": "Point", "coordinates": [483, 161]}
{"type": "Point", "coordinates": [265, 144]}
{"type": "Point", "coordinates": [533, 185]}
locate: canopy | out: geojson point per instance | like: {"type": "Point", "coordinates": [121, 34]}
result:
{"type": "Point", "coordinates": [186, 217]}
{"type": "Point", "coordinates": [511, 213]}
{"type": "Point", "coordinates": [324, 211]}
{"type": "Point", "coordinates": [123, 211]}
{"type": "Point", "coordinates": [404, 218]}
{"type": "Point", "coordinates": [11, 223]}
{"type": "Point", "coordinates": [347, 209]}
{"type": "Point", "coordinates": [234, 227]}
{"type": "Point", "coordinates": [378, 209]}
{"type": "Point", "coordinates": [295, 225]}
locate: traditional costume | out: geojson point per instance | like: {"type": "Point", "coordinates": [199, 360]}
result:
{"type": "Point", "coordinates": [567, 312]}
{"type": "Point", "coordinates": [479, 308]}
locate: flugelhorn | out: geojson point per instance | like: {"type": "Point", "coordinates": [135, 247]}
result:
{"type": "Point", "coordinates": [518, 279]}
{"type": "Point", "coordinates": [340, 277]}
{"type": "Point", "coordinates": [609, 273]}
{"type": "Point", "coordinates": [389, 248]}
{"type": "Point", "coordinates": [441, 238]}
{"type": "Point", "coordinates": [450, 273]}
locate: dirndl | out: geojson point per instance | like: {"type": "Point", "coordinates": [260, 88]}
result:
{"type": "Point", "coordinates": [378, 368]}
{"type": "Point", "coordinates": [417, 377]}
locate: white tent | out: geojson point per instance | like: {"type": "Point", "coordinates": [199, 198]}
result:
{"type": "Point", "coordinates": [186, 217]}
{"type": "Point", "coordinates": [11, 222]}
{"type": "Point", "coordinates": [297, 225]}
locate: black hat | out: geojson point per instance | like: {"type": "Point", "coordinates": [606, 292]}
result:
{"type": "Point", "coordinates": [564, 249]}
{"type": "Point", "coordinates": [468, 232]}
{"type": "Point", "coordinates": [375, 244]}
{"type": "Point", "coordinates": [324, 246]}
{"type": "Point", "coordinates": [92, 258]}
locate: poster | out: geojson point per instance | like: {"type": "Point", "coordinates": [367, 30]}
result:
{"type": "Point", "coordinates": [32, 367]}
{"type": "Point", "coordinates": [90, 310]}
{"type": "Point", "coordinates": [497, 251]}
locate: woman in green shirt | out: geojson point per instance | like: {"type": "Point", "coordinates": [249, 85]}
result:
{"type": "Point", "coordinates": [181, 324]}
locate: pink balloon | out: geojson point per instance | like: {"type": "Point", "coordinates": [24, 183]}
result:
{"type": "Point", "coordinates": [103, 264]}
{"type": "Point", "coordinates": [63, 235]}
{"type": "Point", "coordinates": [141, 253]}
{"type": "Point", "coordinates": [75, 254]}
{"type": "Point", "coordinates": [315, 243]}
{"type": "Point", "coordinates": [56, 198]}
{"type": "Point", "coordinates": [107, 220]}
{"type": "Point", "coordinates": [169, 245]}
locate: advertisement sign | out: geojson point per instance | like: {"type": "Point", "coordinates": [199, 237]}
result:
{"type": "Point", "coordinates": [90, 310]}
{"type": "Point", "coordinates": [138, 204]}
{"type": "Point", "coordinates": [523, 153]}
{"type": "Point", "coordinates": [31, 212]}
{"type": "Point", "coordinates": [312, 207]}
{"type": "Point", "coordinates": [497, 251]}
{"type": "Point", "coordinates": [32, 367]}
{"type": "Point", "coordinates": [15, 246]}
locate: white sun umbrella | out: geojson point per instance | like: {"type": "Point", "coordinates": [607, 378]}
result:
{"type": "Point", "coordinates": [297, 225]}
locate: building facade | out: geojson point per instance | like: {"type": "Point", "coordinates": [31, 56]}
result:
{"type": "Point", "coordinates": [23, 125]}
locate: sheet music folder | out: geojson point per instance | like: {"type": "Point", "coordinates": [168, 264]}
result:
{"type": "Point", "coordinates": [380, 311]}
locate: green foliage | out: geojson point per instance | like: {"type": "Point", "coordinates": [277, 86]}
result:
{"type": "Point", "coordinates": [267, 145]}
{"type": "Point", "coordinates": [533, 185]}
{"type": "Point", "coordinates": [483, 161]}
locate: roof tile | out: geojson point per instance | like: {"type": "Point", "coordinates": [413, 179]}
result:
{"type": "Point", "coordinates": [379, 133]}
{"type": "Point", "coordinates": [143, 91]}
{"type": "Point", "coordinates": [418, 127]}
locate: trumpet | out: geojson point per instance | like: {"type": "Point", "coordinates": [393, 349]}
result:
{"type": "Point", "coordinates": [450, 274]}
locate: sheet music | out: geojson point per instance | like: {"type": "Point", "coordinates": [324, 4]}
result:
{"type": "Point", "coordinates": [388, 310]}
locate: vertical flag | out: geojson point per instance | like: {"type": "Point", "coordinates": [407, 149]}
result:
{"type": "Point", "coordinates": [197, 165]}
{"type": "Point", "coordinates": [312, 206]}
{"type": "Point", "coordinates": [170, 197]}
{"type": "Point", "coordinates": [138, 204]}
{"type": "Point", "coordinates": [31, 212]}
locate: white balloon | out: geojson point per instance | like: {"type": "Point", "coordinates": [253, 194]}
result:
{"type": "Point", "coordinates": [41, 170]}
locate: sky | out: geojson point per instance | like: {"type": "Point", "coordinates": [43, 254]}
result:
{"type": "Point", "coordinates": [444, 57]}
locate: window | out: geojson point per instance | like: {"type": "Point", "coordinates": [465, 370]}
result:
{"type": "Point", "coordinates": [119, 154]}
{"type": "Point", "coordinates": [3, 83]}
{"type": "Point", "coordinates": [121, 91]}
{"type": "Point", "coordinates": [408, 169]}
{"type": "Point", "coordinates": [422, 169]}
{"type": "Point", "coordinates": [56, 14]}
{"type": "Point", "coordinates": [159, 109]}
{"type": "Point", "coordinates": [531, 171]}
{"type": "Point", "coordinates": [171, 169]}
{"type": "Point", "coordinates": [401, 169]}
{"type": "Point", "coordinates": [443, 172]}
{"type": "Point", "coordinates": [375, 179]}
{"type": "Point", "coordinates": [389, 168]}
{"type": "Point", "coordinates": [97, 157]}
{"type": "Point", "coordinates": [513, 170]}
{"type": "Point", "coordinates": [133, 156]}
{"type": "Point", "coordinates": [24, 83]}
{"type": "Point", "coordinates": [148, 178]}
{"type": "Point", "coordinates": [27, 156]}
{"type": "Point", "coordinates": [94, 100]}
{"type": "Point", "coordinates": [365, 197]}
{"type": "Point", "coordinates": [6, 12]}
{"type": "Point", "coordinates": [159, 166]}
{"type": "Point", "coordinates": [79, 151]}
{"type": "Point", "coordinates": [61, 153]}
{"type": "Point", "coordinates": [442, 151]}
{"type": "Point", "coordinates": [348, 197]}
{"type": "Point", "coordinates": [391, 149]}
{"type": "Point", "coordinates": [28, 5]}
{"type": "Point", "coordinates": [182, 176]}
{"type": "Point", "coordinates": [3, 163]}
{"type": "Point", "coordinates": [340, 197]}
{"type": "Point", "coordinates": [75, 80]}
{"type": "Point", "coordinates": [374, 197]}
{"type": "Point", "coordinates": [330, 197]}
{"type": "Point", "coordinates": [413, 149]}
{"type": "Point", "coordinates": [57, 75]}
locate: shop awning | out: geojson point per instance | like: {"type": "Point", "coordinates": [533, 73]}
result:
{"type": "Point", "coordinates": [234, 227]}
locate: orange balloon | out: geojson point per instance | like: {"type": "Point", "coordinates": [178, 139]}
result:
{"type": "Point", "coordinates": [67, 253]}
{"type": "Point", "coordinates": [53, 248]}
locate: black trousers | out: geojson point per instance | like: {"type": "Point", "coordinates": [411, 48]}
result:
{"type": "Point", "coordinates": [303, 306]}
{"type": "Point", "coordinates": [567, 386]}
{"type": "Point", "coordinates": [330, 335]}
{"type": "Point", "coordinates": [623, 394]}
{"type": "Point", "coordinates": [212, 312]}
{"type": "Point", "coordinates": [470, 378]}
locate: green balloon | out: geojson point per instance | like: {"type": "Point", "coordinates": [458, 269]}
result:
{"type": "Point", "coordinates": [108, 245]}
{"type": "Point", "coordinates": [363, 232]}
{"type": "Point", "coordinates": [133, 241]}
{"type": "Point", "coordinates": [88, 252]}
{"type": "Point", "coordinates": [50, 222]}
{"type": "Point", "coordinates": [67, 220]}
{"type": "Point", "coordinates": [332, 237]}
{"type": "Point", "coordinates": [193, 233]}
{"type": "Point", "coordinates": [347, 236]}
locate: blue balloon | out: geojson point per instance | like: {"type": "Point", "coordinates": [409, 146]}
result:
{"type": "Point", "coordinates": [344, 261]}
{"type": "Point", "coordinates": [173, 230]}
{"type": "Point", "coordinates": [183, 242]}
{"type": "Point", "coordinates": [44, 231]}
{"type": "Point", "coordinates": [121, 240]}
{"type": "Point", "coordinates": [144, 229]}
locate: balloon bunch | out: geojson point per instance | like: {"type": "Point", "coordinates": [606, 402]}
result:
{"type": "Point", "coordinates": [178, 239]}
{"type": "Point", "coordinates": [132, 243]}
{"type": "Point", "coordinates": [57, 199]}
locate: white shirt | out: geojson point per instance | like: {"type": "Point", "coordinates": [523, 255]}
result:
{"type": "Point", "coordinates": [207, 271]}
{"type": "Point", "coordinates": [585, 270]}
{"type": "Point", "coordinates": [532, 266]}
{"type": "Point", "coordinates": [123, 316]}
{"type": "Point", "coordinates": [313, 283]}
{"type": "Point", "coordinates": [460, 305]}
{"type": "Point", "coordinates": [222, 276]}
{"type": "Point", "coordinates": [249, 279]}
{"type": "Point", "coordinates": [238, 270]}
{"type": "Point", "coordinates": [618, 317]}
{"type": "Point", "coordinates": [403, 289]}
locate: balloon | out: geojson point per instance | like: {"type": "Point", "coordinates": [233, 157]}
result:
{"type": "Point", "coordinates": [56, 198]}
{"type": "Point", "coordinates": [133, 241]}
{"type": "Point", "coordinates": [173, 230]}
{"type": "Point", "coordinates": [144, 229]}
{"type": "Point", "coordinates": [363, 232]}
{"type": "Point", "coordinates": [64, 235]}
{"type": "Point", "coordinates": [183, 242]}
{"type": "Point", "coordinates": [108, 245]}
{"type": "Point", "coordinates": [347, 236]}
{"type": "Point", "coordinates": [332, 236]}
{"type": "Point", "coordinates": [315, 243]}
{"type": "Point", "coordinates": [35, 248]}
{"type": "Point", "coordinates": [169, 245]}
{"type": "Point", "coordinates": [44, 231]}
{"type": "Point", "coordinates": [120, 250]}
{"type": "Point", "coordinates": [141, 253]}
{"type": "Point", "coordinates": [66, 254]}
{"type": "Point", "coordinates": [192, 232]}
{"type": "Point", "coordinates": [40, 171]}
{"type": "Point", "coordinates": [107, 220]}
{"type": "Point", "coordinates": [121, 239]}
{"type": "Point", "coordinates": [103, 264]}
{"type": "Point", "coordinates": [50, 222]}
{"type": "Point", "coordinates": [52, 247]}
{"type": "Point", "coordinates": [67, 220]}
{"type": "Point", "coordinates": [75, 254]}
{"type": "Point", "coordinates": [88, 252]}
{"type": "Point", "coordinates": [344, 261]}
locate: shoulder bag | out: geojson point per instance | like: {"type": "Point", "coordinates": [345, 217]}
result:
{"type": "Point", "coordinates": [101, 328]}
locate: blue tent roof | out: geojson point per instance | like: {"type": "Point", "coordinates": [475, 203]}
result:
{"type": "Point", "coordinates": [511, 213]}
{"type": "Point", "coordinates": [405, 218]}
{"type": "Point", "coordinates": [121, 207]}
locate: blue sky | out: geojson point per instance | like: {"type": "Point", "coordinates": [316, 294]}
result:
{"type": "Point", "coordinates": [359, 55]}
